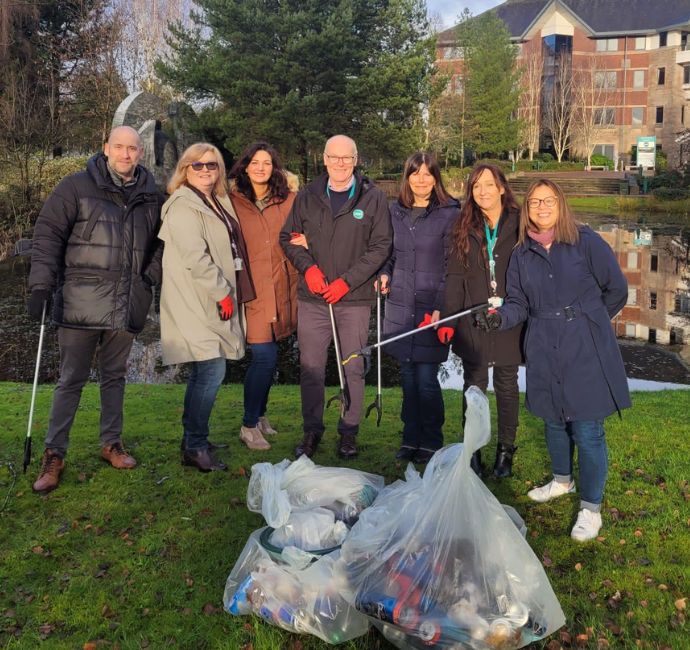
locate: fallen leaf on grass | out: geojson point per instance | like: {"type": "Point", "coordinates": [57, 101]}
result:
{"type": "Point", "coordinates": [578, 567]}
{"type": "Point", "coordinates": [607, 583]}
{"type": "Point", "coordinates": [189, 582]}
{"type": "Point", "coordinates": [89, 645]}
{"type": "Point", "coordinates": [643, 603]}
{"type": "Point", "coordinates": [81, 478]}
{"type": "Point", "coordinates": [662, 588]}
{"type": "Point", "coordinates": [208, 609]}
{"type": "Point", "coordinates": [553, 645]}
{"type": "Point", "coordinates": [9, 613]}
{"type": "Point", "coordinates": [581, 640]}
{"type": "Point", "coordinates": [546, 559]}
{"type": "Point", "coordinates": [37, 549]}
{"type": "Point", "coordinates": [603, 644]}
{"type": "Point", "coordinates": [680, 604]}
{"type": "Point", "coordinates": [241, 471]}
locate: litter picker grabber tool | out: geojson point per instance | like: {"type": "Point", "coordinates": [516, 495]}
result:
{"type": "Point", "coordinates": [341, 396]}
{"type": "Point", "coordinates": [366, 351]}
{"type": "Point", "coordinates": [27, 443]}
{"type": "Point", "coordinates": [376, 404]}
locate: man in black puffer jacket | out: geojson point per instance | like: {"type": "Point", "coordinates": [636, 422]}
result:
{"type": "Point", "coordinates": [96, 250]}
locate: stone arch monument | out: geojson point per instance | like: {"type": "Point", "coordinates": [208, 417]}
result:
{"type": "Point", "coordinates": [166, 131]}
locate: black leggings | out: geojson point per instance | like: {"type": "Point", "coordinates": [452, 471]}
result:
{"type": "Point", "coordinates": [507, 396]}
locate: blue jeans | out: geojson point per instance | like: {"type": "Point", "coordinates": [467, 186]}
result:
{"type": "Point", "coordinates": [202, 387]}
{"type": "Point", "coordinates": [592, 455]}
{"type": "Point", "coordinates": [257, 381]}
{"type": "Point", "coordinates": [423, 412]}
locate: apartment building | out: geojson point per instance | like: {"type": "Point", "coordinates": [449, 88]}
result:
{"type": "Point", "coordinates": [642, 58]}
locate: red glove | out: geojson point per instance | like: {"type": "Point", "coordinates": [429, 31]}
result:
{"type": "Point", "coordinates": [335, 291]}
{"type": "Point", "coordinates": [426, 321]}
{"type": "Point", "coordinates": [225, 308]}
{"type": "Point", "coordinates": [316, 281]}
{"type": "Point", "coordinates": [445, 334]}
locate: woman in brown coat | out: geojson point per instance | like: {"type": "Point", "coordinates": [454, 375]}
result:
{"type": "Point", "coordinates": [262, 195]}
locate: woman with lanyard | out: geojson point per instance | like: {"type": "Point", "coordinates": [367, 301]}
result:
{"type": "Point", "coordinates": [422, 218]}
{"type": "Point", "coordinates": [262, 193]}
{"type": "Point", "coordinates": [482, 241]}
{"type": "Point", "coordinates": [205, 281]}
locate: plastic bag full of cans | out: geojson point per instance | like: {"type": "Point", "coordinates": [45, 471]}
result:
{"type": "Point", "coordinates": [278, 490]}
{"type": "Point", "coordinates": [294, 592]}
{"type": "Point", "coordinates": [438, 562]}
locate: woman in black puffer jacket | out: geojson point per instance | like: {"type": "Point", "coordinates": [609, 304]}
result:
{"type": "Point", "coordinates": [486, 231]}
{"type": "Point", "coordinates": [413, 277]}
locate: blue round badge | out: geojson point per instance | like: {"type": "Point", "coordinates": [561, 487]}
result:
{"type": "Point", "coordinates": [358, 214]}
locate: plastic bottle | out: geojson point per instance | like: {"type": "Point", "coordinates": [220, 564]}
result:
{"type": "Point", "coordinates": [239, 605]}
{"type": "Point", "coordinates": [387, 608]}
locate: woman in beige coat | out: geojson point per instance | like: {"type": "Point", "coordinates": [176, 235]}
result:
{"type": "Point", "coordinates": [262, 193]}
{"type": "Point", "coordinates": [205, 280]}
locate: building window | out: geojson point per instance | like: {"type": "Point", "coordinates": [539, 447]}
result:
{"type": "Point", "coordinates": [652, 299]}
{"type": "Point", "coordinates": [682, 114]}
{"type": "Point", "coordinates": [640, 42]}
{"type": "Point", "coordinates": [659, 115]}
{"type": "Point", "coordinates": [652, 335]}
{"type": "Point", "coordinates": [458, 85]}
{"type": "Point", "coordinates": [686, 74]}
{"type": "Point", "coordinates": [604, 150]}
{"type": "Point", "coordinates": [630, 330]}
{"type": "Point", "coordinates": [632, 259]}
{"type": "Point", "coordinates": [605, 79]}
{"type": "Point", "coordinates": [637, 116]}
{"type": "Point", "coordinates": [663, 39]}
{"type": "Point", "coordinates": [451, 53]}
{"type": "Point", "coordinates": [638, 78]}
{"type": "Point", "coordinates": [661, 76]}
{"type": "Point", "coordinates": [654, 262]}
{"type": "Point", "coordinates": [607, 45]}
{"type": "Point", "coordinates": [604, 116]}
{"type": "Point", "coordinates": [632, 296]}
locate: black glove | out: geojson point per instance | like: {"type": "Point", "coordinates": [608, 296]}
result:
{"type": "Point", "coordinates": [36, 300]}
{"type": "Point", "coordinates": [488, 320]}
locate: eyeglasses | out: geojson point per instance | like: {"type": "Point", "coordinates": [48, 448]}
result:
{"type": "Point", "coordinates": [346, 160]}
{"type": "Point", "coordinates": [198, 166]}
{"type": "Point", "coordinates": [548, 201]}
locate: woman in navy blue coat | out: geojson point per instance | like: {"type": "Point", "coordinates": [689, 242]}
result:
{"type": "Point", "coordinates": [565, 281]}
{"type": "Point", "coordinates": [413, 277]}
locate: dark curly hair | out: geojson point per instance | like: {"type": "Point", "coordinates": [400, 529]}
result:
{"type": "Point", "coordinates": [277, 184]}
{"type": "Point", "coordinates": [472, 218]}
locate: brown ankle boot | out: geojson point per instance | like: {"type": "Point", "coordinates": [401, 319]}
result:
{"type": "Point", "coordinates": [118, 457]}
{"type": "Point", "coordinates": [51, 468]}
{"type": "Point", "coordinates": [203, 461]}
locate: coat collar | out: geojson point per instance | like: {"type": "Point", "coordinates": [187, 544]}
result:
{"type": "Point", "coordinates": [185, 194]}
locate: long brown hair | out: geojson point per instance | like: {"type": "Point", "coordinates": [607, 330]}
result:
{"type": "Point", "coordinates": [277, 183]}
{"type": "Point", "coordinates": [472, 218]}
{"type": "Point", "coordinates": [192, 154]}
{"type": "Point", "coordinates": [439, 195]}
{"type": "Point", "coordinates": [567, 228]}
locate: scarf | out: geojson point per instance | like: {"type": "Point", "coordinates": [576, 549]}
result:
{"type": "Point", "coordinates": [543, 238]}
{"type": "Point", "coordinates": [244, 284]}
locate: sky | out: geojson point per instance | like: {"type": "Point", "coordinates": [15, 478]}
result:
{"type": "Point", "coordinates": [451, 9]}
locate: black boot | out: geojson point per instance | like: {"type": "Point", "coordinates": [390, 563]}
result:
{"type": "Point", "coordinates": [476, 463]}
{"type": "Point", "coordinates": [504, 460]}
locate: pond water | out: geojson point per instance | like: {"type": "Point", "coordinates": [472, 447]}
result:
{"type": "Point", "coordinates": [653, 328]}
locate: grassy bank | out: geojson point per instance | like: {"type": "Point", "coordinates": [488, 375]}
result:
{"type": "Point", "coordinates": [138, 559]}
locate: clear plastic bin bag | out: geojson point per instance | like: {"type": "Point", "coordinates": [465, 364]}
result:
{"type": "Point", "coordinates": [277, 490]}
{"type": "Point", "coordinates": [438, 562]}
{"type": "Point", "coordinates": [297, 598]}
{"type": "Point", "coordinates": [312, 530]}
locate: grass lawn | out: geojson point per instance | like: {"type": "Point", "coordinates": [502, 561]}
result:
{"type": "Point", "coordinates": [138, 559]}
{"type": "Point", "coordinates": [606, 204]}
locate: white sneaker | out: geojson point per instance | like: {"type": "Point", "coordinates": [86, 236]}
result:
{"type": "Point", "coordinates": [551, 491]}
{"type": "Point", "coordinates": [265, 427]}
{"type": "Point", "coordinates": [587, 526]}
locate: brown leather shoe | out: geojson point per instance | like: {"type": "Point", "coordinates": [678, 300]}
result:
{"type": "Point", "coordinates": [265, 427]}
{"type": "Point", "coordinates": [310, 441]}
{"type": "Point", "coordinates": [49, 475]}
{"type": "Point", "coordinates": [253, 438]}
{"type": "Point", "coordinates": [203, 461]}
{"type": "Point", "coordinates": [118, 457]}
{"type": "Point", "coordinates": [347, 448]}
{"type": "Point", "coordinates": [212, 446]}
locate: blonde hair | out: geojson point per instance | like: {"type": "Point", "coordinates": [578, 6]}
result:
{"type": "Point", "coordinates": [193, 154]}
{"type": "Point", "coordinates": [567, 228]}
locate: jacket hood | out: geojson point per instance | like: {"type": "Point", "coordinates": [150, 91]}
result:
{"type": "Point", "coordinates": [97, 166]}
{"type": "Point", "coordinates": [184, 195]}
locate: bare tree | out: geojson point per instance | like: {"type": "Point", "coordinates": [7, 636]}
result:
{"type": "Point", "coordinates": [558, 106]}
{"type": "Point", "coordinates": [593, 92]}
{"type": "Point", "coordinates": [529, 110]}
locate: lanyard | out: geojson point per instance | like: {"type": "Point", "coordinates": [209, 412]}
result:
{"type": "Point", "coordinates": [352, 190]}
{"type": "Point", "coordinates": [490, 243]}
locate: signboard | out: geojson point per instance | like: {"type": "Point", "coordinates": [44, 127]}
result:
{"type": "Point", "coordinates": [643, 237]}
{"type": "Point", "coordinates": [646, 151]}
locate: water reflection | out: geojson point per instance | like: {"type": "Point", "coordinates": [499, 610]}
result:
{"type": "Point", "coordinates": [653, 328]}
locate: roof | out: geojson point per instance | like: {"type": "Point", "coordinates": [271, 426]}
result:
{"type": "Point", "coordinates": [601, 16]}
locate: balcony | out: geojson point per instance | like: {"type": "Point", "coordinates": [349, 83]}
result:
{"type": "Point", "coordinates": [683, 54]}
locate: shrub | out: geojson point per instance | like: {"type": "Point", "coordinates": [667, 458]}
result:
{"type": "Point", "coordinates": [671, 193]}
{"type": "Point", "coordinates": [597, 159]}
{"type": "Point", "coordinates": [671, 179]}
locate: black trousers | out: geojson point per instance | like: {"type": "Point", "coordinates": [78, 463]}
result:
{"type": "Point", "coordinates": [507, 396]}
{"type": "Point", "coordinates": [77, 348]}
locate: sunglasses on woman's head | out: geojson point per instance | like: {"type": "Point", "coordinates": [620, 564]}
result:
{"type": "Point", "coordinates": [198, 166]}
